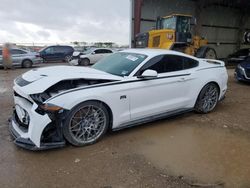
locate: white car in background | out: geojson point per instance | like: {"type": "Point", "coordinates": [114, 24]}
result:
{"type": "Point", "coordinates": [90, 56]}
{"type": "Point", "coordinates": [79, 104]}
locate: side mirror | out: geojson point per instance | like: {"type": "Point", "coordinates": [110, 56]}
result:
{"type": "Point", "coordinates": [149, 74]}
{"type": "Point", "coordinates": [92, 53]}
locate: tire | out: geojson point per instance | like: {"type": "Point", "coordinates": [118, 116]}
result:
{"type": "Point", "coordinates": [67, 58]}
{"type": "Point", "coordinates": [207, 99]}
{"type": "Point", "coordinates": [87, 119]}
{"type": "Point", "coordinates": [27, 63]}
{"type": "Point", "coordinates": [247, 37]}
{"type": "Point", "coordinates": [84, 62]}
{"type": "Point", "coordinates": [206, 52]}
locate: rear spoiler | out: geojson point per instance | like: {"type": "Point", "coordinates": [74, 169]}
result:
{"type": "Point", "coordinates": [214, 61]}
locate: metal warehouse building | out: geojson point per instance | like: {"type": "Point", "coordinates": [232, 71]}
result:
{"type": "Point", "coordinates": [222, 22]}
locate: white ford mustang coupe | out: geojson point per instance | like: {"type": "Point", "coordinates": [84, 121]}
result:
{"type": "Point", "coordinates": [79, 104]}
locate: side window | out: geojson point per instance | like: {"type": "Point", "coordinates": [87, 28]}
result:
{"type": "Point", "coordinates": [107, 51]}
{"type": "Point", "coordinates": [173, 63]}
{"type": "Point", "coordinates": [65, 49]}
{"type": "Point", "coordinates": [58, 49]}
{"type": "Point", "coordinates": [163, 64]}
{"type": "Point", "coordinates": [16, 52]}
{"type": "Point", "coordinates": [49, 50]}
{"type": "Point", "coordinates": [99, 51]}
{"type": "Point", "coordinates": [189, 63]}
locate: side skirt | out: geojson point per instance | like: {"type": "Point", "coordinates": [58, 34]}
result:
{"type": "Point", "coordinates": [152, 118]}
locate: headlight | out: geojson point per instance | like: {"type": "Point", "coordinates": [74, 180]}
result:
{"type": "Point", "coordinates": [50, 107]}
{"type": "Point", "coordinates": [241, 69]}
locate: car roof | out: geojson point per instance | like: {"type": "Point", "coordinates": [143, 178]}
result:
{"type": "Point", "coordinates": [16, 49]}
{"type": "Point", "coordinates": [59, 46]}
{"type": "Point", "coordinates": [155, 52]}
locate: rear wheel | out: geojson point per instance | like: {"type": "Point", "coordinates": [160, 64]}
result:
{"type": "Point", "coordinates": [207, 99]}
{"type": "Point", "coordinates": [86, 123]}
{"type": "Point", "coordinates": [67, 58]}
{"type": "Point", "coordinates": [84, 62]}
{"type": "Point", "coordinates": [27, 64]}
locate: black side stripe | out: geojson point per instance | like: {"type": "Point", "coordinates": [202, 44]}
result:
{"type": "Point", "coordinates": [116, 83]}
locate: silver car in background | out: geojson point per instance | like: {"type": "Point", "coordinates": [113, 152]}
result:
{"type": "Point", "coordinates": [22, 58]}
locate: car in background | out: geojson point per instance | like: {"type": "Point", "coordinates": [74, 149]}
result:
{"type": "Point", "coordinates": [23, 58]}
{"type": "Point", "coordinates": [56, 53]}
{"type": "Point", "coordinates": [238, 56]}
{"type": "Point", "coordinates": [242, 71]}
{"type": "Point", "coordinates": [90, 56]}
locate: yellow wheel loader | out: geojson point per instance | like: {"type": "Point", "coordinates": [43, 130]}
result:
{"type": "Point", "coordinates": [174, 32]}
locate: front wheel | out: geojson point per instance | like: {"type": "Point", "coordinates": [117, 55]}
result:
{"type": "Point", "coordinates": [86, 123]}
{"type": "Point", "coordinates": [84, 62]}
{"type": "Point", "coordinates": [207, 99]}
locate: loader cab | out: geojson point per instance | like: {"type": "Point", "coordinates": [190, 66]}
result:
{"type": "Point", "coordinates": [181, 24]}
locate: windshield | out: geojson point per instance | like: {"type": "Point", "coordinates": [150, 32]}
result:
{"type": "Point", "coordinates": [42, 49]}
{"type": "Point", "coordinates": [120, 64]}
{"type": "Point", "coordinates": [88, 51]}
{"type": "Point", "coordinates": [183, 25]}
{"type": "Point", "coordinates": [168, 23]}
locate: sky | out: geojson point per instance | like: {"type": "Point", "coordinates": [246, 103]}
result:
{"type": "Point", "coordinates": [64, 21]}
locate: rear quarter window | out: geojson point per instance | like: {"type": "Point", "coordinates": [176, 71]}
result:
{"type": "Point", "coordinates": [189, 63]}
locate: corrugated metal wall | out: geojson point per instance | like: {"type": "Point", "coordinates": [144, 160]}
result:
{"type": "Point", "coordinates": [219, 24]}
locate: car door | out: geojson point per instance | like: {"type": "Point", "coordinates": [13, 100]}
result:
{"type": "Point", "coordinates": [48, 54]}
{"type": "Point", "coordinates": [17, 56]}
{"type": "Point", "coordinates": [166, 93]}
{"type": "Point", "coordinates": [59, 52]}
{"type": "Point", "coordinates": [98, 54]}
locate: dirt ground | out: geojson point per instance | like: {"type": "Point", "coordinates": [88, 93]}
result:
{"type": "Point", "coordinates": [189, 150]}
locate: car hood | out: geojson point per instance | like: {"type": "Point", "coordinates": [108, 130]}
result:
{"type": "Point", "coordinates": [38, 80]}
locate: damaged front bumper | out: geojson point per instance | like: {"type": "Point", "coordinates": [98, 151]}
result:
{"type": "Point", "coordinates": [26, 143]}
{"type": "Point", "coordinates": [35, 131]}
